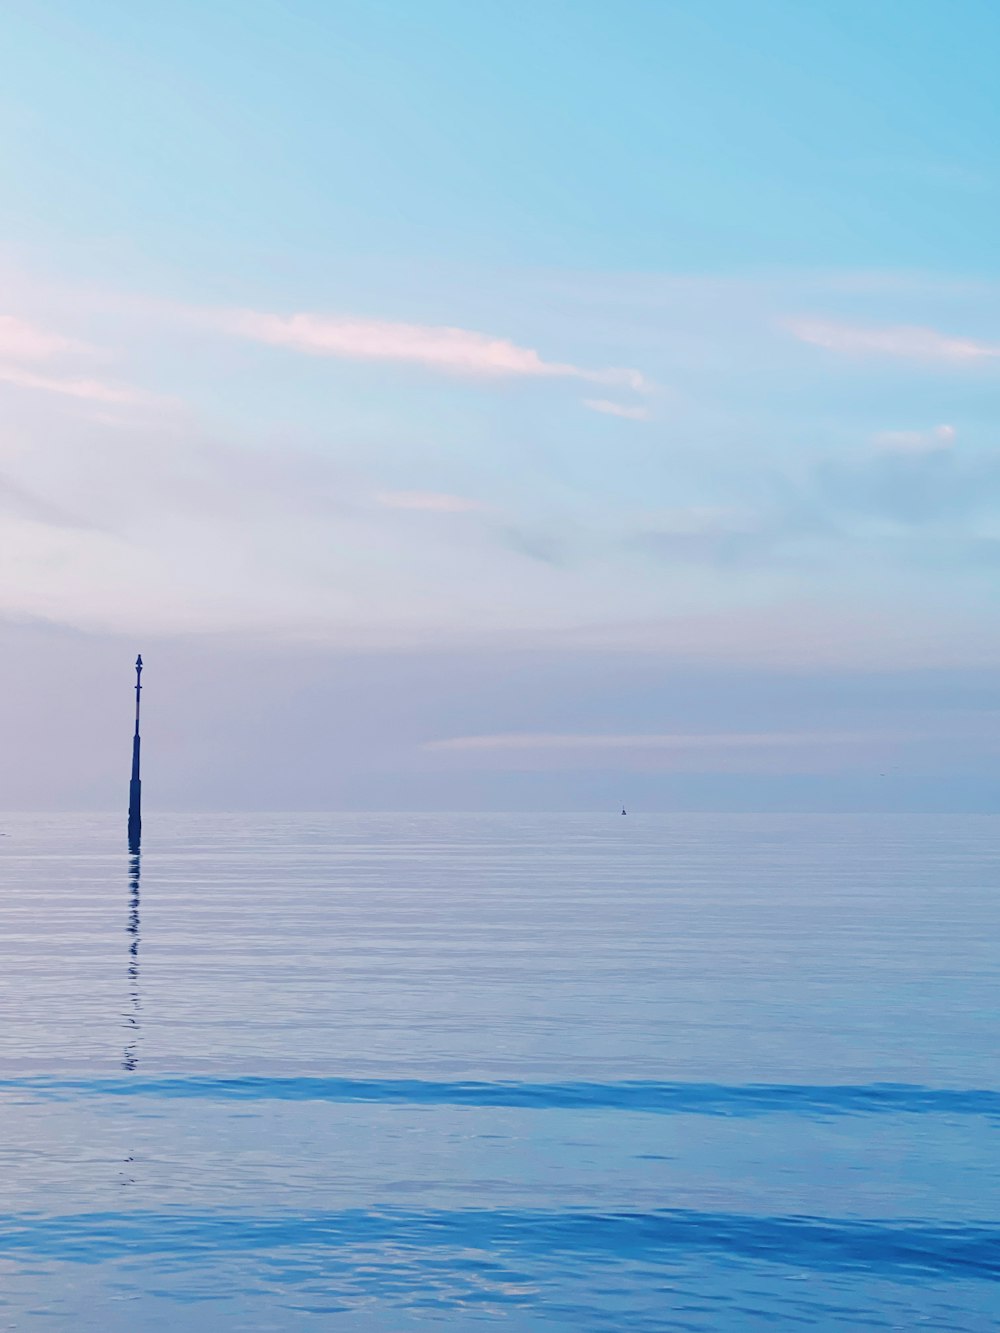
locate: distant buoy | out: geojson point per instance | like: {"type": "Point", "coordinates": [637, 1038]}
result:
{"type": "Point", "coordinates": [624, 811]}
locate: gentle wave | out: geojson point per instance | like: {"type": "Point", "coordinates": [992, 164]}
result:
{"type": "Point", "coordinates": [659, 1098]}
{"type": "Point", "coordinates": [800, 1242]}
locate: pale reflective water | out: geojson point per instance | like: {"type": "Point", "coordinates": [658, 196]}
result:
{"type": "Point", "coordinates": [398, 1072]}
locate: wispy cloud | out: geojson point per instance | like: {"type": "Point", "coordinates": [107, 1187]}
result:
{"type": "Point", "coordinates": [22, 503]}
{"type": "Point", "coordinates": [612, 409]}
{"type": "Point", "coordinates": [431, 501]}
{"type": "Point", "coordinates": [443, 348]}
{"type": "Point", "coordinates": [21, 341]}
{"type": "Point", "coordinates": [900, 340]}
{"type": "Point", "coordinates": [705, 752]}
{"type": "Point", "coordinates": [706, 535]}
{"type": "Point", "coordinates": [95, 391]}
{"type": "Point", "coordinates": [931, 441]}
{"type": "Point", "coordinates": [24, 345]}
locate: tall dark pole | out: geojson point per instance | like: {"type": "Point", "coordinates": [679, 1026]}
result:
{"type": "Point", "coordinates": [135, 786]}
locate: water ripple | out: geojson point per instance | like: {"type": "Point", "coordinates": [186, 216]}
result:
{"type": "Point", "coordinates": [956, 1251]}
{"type": "Point", "coordinates": [661, 1098]}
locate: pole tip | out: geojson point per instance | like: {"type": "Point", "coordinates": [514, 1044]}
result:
{"type": "Point", "coordinates": [138, 662]}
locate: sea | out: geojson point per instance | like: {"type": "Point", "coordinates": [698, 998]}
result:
{"type": "Point", "coordinates": [398, 1072]}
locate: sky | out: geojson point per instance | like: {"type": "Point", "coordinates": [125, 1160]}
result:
{"type": "Point", "coordinates": [529, 404]}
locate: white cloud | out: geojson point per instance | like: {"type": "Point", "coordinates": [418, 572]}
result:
{"type": "Point", "coordinates": [902, 340]}
{"type": "Point", "coordinates": [440, 347]}
{"type": "Point", "coordinates": [612, 409]}
{"type": "Point", "coordinates": [933, 441]}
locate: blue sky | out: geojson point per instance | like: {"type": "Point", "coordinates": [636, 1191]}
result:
{"type": "Point", "coordinates": [581, 345]}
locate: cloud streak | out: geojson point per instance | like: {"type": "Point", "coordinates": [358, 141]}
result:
{"type": "Point", "coordinates": [612, 409]}
{"type": "Point", "coordinates": [91, 390]}
{"type": "Point", "coordinates": [706, 741]}
{"type": "Point", "coordinates": [24, 345]}
{"type": "Point", "coordinates": [443, 348]}
{"type": "Point", "coordinates": [933, 441]}
{"type": "Point", "coordinates": [704, 752]}
{"type": "Point", "coordinates": [911, 342]}
{"type": "Point", "coordinates": [21, 341]}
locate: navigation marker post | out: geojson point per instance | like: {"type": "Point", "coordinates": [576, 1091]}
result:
{"type": "Point", "coordinates": [135, 786]}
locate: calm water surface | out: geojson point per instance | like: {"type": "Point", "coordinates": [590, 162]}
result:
{"type": "Point", "coordinates": [396, 1072]}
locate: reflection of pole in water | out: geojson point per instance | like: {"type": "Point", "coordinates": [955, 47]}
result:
{"type": "Point", "coordinates": [131, 1056]}
{"type": "Point", "coordinates": [135, 785]}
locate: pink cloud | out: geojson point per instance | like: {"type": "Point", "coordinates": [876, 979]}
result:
{"type": "Point", "coordinates": [95, 391]}
{"type": "Point", "coordinates": [737, 752]}
{"type": "Point", "coordinates": [431, 501]}
{"type": "Point", "coordinates": [24, 345]}
{"type": "Point", "coordinates": [440, 347]}
{"type": "Point", "coordinates": [22, 341]}
{"type": "Point", "coordinates": [902, 340]}
{"type": "Point", "coordinates": [612, 409]}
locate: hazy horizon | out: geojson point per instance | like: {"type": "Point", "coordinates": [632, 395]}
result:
{"type": "Point", "coordinates": [285, 730]}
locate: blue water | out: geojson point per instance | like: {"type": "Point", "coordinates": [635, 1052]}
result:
{"type": "Point", "coordinates": [578, 1072]}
